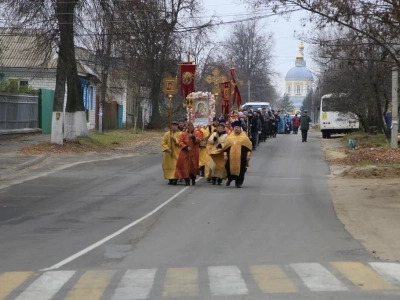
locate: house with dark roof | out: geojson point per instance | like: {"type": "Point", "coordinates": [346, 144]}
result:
{"type": "Point", "coordinates": [29, 57]}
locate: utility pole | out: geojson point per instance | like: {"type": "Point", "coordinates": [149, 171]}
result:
{"type": "Point", "coordinates": [248, 85]}
{"type": "Point", "coordinates": [395, 96]}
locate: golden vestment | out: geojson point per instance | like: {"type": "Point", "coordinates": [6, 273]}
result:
{"type": "Point", "coordinates": [170, 159]}
{"type": "Point", "coordinates": [216, 171]}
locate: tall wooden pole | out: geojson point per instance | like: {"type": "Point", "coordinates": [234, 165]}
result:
{"type": "Point", "coordinates": [395, 107]}
{"type": "Point", "coordinates": [171, 134]}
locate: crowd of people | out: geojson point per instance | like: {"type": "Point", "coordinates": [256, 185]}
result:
{"type": "Point", "coordinates": [220, 150]}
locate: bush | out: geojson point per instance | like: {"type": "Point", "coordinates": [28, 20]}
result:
{"type": "Point", "coordinates": [12, 86]}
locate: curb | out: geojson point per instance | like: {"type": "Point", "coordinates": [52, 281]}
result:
{"type": "Point", "coordinates": [31, 163]}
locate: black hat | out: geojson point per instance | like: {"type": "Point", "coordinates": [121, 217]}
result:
{"type": "Point", "coordinates": [215, 119]}
{"type": "Point", "coordinates": [236, 123]}
{"type": "Point", "coordinates": [222, 120]}
{"type": "Point", "coordinates": [174, 123]}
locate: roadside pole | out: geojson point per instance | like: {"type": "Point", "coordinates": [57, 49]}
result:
{"type": "Point", "coordinates": [395, 96]}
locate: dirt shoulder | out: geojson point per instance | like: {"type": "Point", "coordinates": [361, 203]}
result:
{"type": "Point", "coordinates": [366, 198]}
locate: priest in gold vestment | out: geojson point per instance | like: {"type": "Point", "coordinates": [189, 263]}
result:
{"type": "Point", "coordinates": [170, 147]}
{"type": "Point", "coordinates": [236, 155]}
{"type": "Point", "coordinates": [217, 140]}
{"type": "Point", "coordinates": [203, 154]}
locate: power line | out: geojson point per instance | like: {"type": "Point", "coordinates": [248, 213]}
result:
{"type": "Point", "coordinates": [183, 29]}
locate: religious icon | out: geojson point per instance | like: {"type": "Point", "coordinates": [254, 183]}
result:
{"type": "Point", "coordinates": [201, 110]}
{"type": "Point", "coordinates": [187, 77]}
{"type": "Point", "coordinates": [226, 94]}
{"type": "Point", "coordinates": [170, 86]}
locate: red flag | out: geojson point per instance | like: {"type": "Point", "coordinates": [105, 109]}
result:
{"type": "Point", "coordinates": [187, 72]}
{"type": "Point", "coordinates": [236, 93]}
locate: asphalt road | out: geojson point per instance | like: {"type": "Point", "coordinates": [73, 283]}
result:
{"type": "Point", "coordinates": [116, 230]}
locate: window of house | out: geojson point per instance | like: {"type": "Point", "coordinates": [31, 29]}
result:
{"type": "Point", "coordinates": [298, 90]}
{"type": "Point", "coordinates": [23, 83]}
{"type": "Point", "coordinates": [288, 89]}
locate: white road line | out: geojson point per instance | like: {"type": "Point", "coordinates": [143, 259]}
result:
{"type": "Point", "coordinates": [226, 280]}
{"type": "Point", "coordinates": [106, 239]}
{"type": "Point", "coordinates": [388, 270]}
{"type": "Point", "coordinates": [46, 286]}
{"type": "Point", "coordinates": [135, 284]}
{"type": "Point", "coordinates": [317, 278]}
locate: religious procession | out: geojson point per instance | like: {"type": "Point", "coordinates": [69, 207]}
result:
{"type": "Point", "coordinates": [216, 148]}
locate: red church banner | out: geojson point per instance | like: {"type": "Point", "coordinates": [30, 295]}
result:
{"type": "Point", "coordinates": [226, 91]}
{"type": "Point", "coordinates": [187, 73]}
{"type": "Point", "coordinates": [237, 98]}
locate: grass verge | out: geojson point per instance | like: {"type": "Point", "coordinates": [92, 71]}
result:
{"type": "Point", "coordinates": [368, 140]}
{"type": "Point", "coordinates": [108, 141]}
{"type": "Point", "coordinates": [115, 138]}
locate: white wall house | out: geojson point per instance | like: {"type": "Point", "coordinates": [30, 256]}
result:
{"type": "Point", "coordinates": [21, 60]}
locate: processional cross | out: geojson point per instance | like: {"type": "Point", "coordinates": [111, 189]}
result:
{"type": "Point", "coordinates": [216, 78]}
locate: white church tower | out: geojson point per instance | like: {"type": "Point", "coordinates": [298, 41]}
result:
{"type": "Point", "coordinates": [299, 80]}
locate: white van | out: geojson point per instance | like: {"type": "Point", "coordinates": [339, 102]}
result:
{"type": "Point", "coordinates": [255, 105]}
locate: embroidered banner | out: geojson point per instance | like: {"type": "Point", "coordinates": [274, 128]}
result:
{"type": "Point", "coordinates": [237, 98]}
{"type": "Point", "coordinates": [187, 73]}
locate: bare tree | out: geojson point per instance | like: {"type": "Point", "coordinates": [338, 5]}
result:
{"type": "Point", "coordinates": [56, 18]}
{"type": "Point", "coordinates": [250, 48]}
{"type": "Point", "coordinates": [358, 67]}
{"type": "Point", "coordinates": [377, 20]}
{"type": "Point", "coordinates": [150, 29]}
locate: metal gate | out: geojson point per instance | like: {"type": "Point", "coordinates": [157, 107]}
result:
{"type": "Point", "coordinates": [18, 111]}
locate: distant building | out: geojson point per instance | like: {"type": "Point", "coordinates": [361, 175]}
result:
{"type": "Point", "coordinates": [298, 80]}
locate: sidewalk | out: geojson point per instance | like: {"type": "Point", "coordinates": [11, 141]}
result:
{"type": "Point", "coordinates": [16, 168]}
{"type": "Point", "coordinates": [11, 161]}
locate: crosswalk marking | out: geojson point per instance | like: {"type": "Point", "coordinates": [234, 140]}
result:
{"type": "Point", "coordinates": [46, 286]}
{"type": "Point", "coordinates": [186, 283]}
{"type": "Point", "coordinates": [90, 286]}
{"type": "Point", "coordinates": [10, 281]}
{"type": "Point", "coordinates": [271, 279]}
{"type": "Point", "coordinates": [390, 271]}
{"type": "Point", "coordinates": [226, 280]}
{"type": "Point", "coordinates": [317, 278]}
{"type": "Point", "coordinates": [363, 276]}
{"type": "Point", "coordinates": [135, 284]}
{"type": "Point", "coordinates": [181, 282]}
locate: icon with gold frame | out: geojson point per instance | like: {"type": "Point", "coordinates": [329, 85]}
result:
{"type": "Point", "coordinates": [170, 86]}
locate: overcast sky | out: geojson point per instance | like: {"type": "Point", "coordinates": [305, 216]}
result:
{"type": "Point", "coordinates": [286, 44]}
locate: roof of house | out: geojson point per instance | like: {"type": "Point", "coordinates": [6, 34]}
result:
{"type": "Point", "coordinates": [31, 49]}
{"type": "Point", "coordinates": [26, 49]}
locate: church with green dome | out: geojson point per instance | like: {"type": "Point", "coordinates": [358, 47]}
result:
{"type": "Point", "coordinates": [298, 80]}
